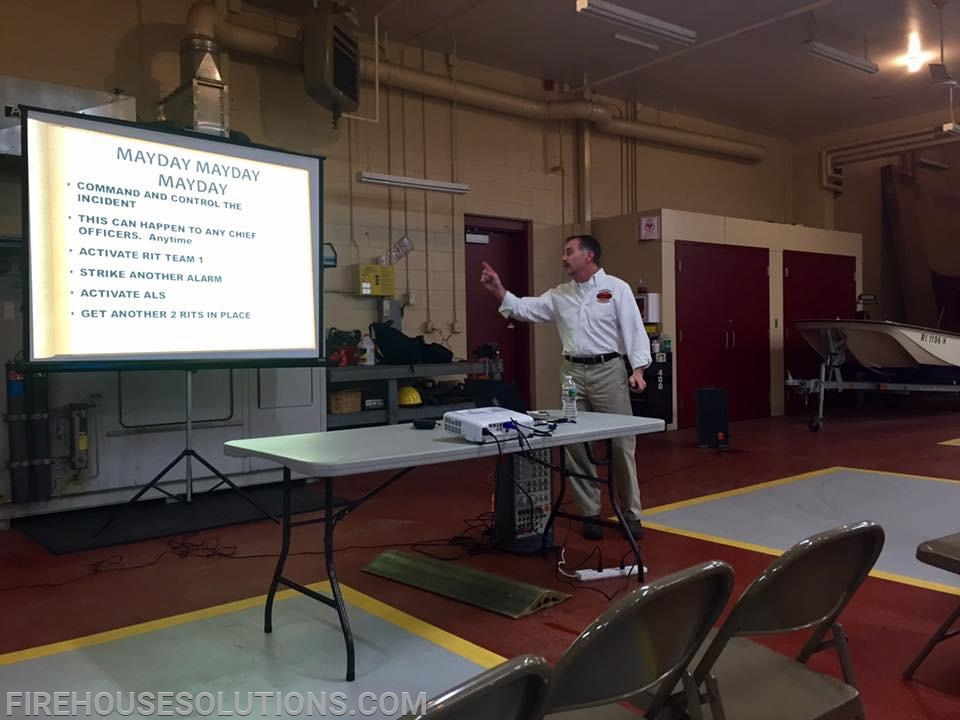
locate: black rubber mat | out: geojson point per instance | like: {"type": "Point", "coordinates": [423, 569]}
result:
{"type": "Point", "coordinates": [73, 531]}
{"type": "Point", "coordinates": [502, 595]}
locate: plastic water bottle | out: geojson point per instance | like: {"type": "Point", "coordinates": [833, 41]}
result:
{"type": "Point", "coordinates": [568, 391]}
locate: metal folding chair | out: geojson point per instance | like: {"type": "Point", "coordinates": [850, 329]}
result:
{"type": "Point", "coordinates": [943, 553]}
{"type": "Point", "coordinates": [644, 643]}
{"type": "Point", "coordinates": [806, 588]}
{"type": "Point", "coordinates": [514, 690]}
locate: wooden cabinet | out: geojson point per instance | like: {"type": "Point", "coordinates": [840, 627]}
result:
{"type": "Point", "coordinates": [723, 335]}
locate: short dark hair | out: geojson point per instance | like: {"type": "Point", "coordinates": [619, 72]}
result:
{"type": "Point", "coordinates": [590, 244]}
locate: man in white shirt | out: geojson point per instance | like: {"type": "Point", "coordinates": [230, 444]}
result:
{"type": "Point", "coordinates": [599, 323]}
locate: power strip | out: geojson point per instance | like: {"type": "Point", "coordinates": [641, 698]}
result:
{"type": "Point", "coordinates": [607, 573]}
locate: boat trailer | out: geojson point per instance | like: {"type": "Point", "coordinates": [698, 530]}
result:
{"type": "Point", "coordinates": [832, 379]}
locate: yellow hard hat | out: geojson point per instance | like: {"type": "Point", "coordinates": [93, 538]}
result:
{"type": "Point", "coordinates": [408, 396]}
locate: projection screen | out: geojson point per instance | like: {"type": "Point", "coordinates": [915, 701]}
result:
{"type": "Point", "coordinates": [167, 249]}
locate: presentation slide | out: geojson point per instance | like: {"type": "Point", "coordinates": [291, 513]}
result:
{"type": "Point", "coordinates": [146, 245]}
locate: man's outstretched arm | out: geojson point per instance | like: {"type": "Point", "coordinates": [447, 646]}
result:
{"type": "Point", "coordinates": [528, 309]}
{"type": "Point", "coordinates": [491, 281]}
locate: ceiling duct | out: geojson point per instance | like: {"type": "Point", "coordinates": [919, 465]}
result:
{"type": "Point", "coordinates": [202, 100]}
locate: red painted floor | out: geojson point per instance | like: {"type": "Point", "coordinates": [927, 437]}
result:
{"type": "Point", "coordinates": [48, 598]}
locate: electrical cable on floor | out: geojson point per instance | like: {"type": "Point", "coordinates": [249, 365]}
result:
{"type": "Point", "coordinates": [183, 548]}
{"type": "Point", "coordinates": [561, 574]}
{"type": "Point", "coordinates": [713, 457]}
{"type": "Point", "coordinates": [468, 545]}
{"type": "Point", "coordinates": [560, 571]}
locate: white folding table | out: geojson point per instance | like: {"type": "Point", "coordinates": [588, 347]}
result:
{"type": "Point", "coordinates": [342, 453]}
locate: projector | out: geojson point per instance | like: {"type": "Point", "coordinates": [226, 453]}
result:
{"type": "Point", "coordinates": [952, 128]}
{"type": "Point", "coordinates": [481, 425]}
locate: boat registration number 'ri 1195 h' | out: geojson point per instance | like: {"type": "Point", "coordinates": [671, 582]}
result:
{"type": "Point", "coordinates": [933, 339]}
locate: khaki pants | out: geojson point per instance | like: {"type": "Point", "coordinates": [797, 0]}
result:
{"type": "Point", "coordinates": [604, 388]}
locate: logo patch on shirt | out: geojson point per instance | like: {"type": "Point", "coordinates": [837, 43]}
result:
{"type": "Point", "coordinates": [604, 296]}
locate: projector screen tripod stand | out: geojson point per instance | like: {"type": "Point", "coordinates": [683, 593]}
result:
{"type": "Point", "coordinates": [188, 454]}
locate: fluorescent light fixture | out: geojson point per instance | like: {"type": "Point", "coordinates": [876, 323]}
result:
{"type": "Point", "coordinates": [843, 58]}
{"type": "Point", "coordinates": [931, 164]}
{"type": "Point", "coordinates": [636, 21]}
{"type": "Point", "coordinates": [412, 183]}
{"type": "Point", "coordinates": [636, 41]}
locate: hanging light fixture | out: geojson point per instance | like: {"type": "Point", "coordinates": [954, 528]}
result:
{"type": "Point", "coordinates": [412, 183]}
{"type": "Point", "coordinates": [636, 21]}
{"type": "Point", "coordinates": [842, 57]}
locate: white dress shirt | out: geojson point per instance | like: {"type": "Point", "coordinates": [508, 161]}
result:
{"type": "Point", "coordinates": [595, 317]}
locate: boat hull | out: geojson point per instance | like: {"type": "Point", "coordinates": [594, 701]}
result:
{"type": "Point", "coordinates": [886, 347]}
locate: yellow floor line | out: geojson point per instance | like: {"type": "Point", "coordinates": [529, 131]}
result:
{"type": "Point", "coordinates": [739, 491]}
{"type": "Point", "coordinates": [955, 442]}
{"type": "Point", "coordinates": [783, 481]}
{"type": "Point", "coordinates": [893, 577]}
{"type": "Point", "coordinates": [441, 638]}
{"type": "Point", "coordinates": [714, 539]}
{"type": "Point", "coordinates": [906, 476]}
{"type": "Point", "coordinates": [448, 641]}
{"type": "Point", "coordinates": [762, 549]}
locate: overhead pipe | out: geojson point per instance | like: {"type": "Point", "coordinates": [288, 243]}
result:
{"type": "Point", "coordinates": [888, 150]}
{"type": "Point", "coordinates": [844, 155]}
{"type": "Point", "coordinates": [834, 157]}
{"type": "Point", "coordinates": [488, 99]}
{"type": "Point", "coordinates": [844, 158]}
{"type": "Point", "coordinates": [203, 22]}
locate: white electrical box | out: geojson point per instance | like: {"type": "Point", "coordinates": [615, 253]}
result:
{"type": "Point", "coordinates": [649, 304]}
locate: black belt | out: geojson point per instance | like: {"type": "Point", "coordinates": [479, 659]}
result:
{"type": "Point", "coordinates": [592, 359]}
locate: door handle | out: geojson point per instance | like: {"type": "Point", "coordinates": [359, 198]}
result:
{"type": "Point", "coordinates": [733, 333]}
{"type": "Point", "coordinates": [726, 339]}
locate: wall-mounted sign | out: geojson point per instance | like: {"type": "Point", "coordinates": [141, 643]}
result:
{"type": "Point", "coordinates": [650, 227]}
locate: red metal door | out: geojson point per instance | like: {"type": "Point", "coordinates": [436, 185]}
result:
{"type": "Point", "coordinates": [748, 300]}
{"type": "Point", "coordinates": [723, 338]}
{"type": "Point", "coordinates": [506, 250]}
{"type": "Point", "coordinates": [700, 349]}
{"type": "Point", "coordinates": [816, 286]}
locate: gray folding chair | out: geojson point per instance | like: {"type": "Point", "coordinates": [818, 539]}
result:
{"type": "Point", "coordinates": [643, 643]}
{"type": "Point", "coordinates": [943, 553]}
{"type": "Point", "coordinates": [805, 588]}
{"type": "Point", "coordinates": [514, 690]}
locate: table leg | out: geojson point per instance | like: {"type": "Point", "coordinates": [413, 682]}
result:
{"type": "Point", "coordinates": [610, 482]}
{"type": "Point", "coordinates": [330, 519]}
{"type": "Point", "coordinates": [284, 550]}
{"type": "Point", "coordinates": [942, 633]}
{"type": "Point", "coordinates": [328, 553]}
{"type": "Point", "coordinates": [624, 525]}
{"type": "Point", "coordinates": [556, 504]}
